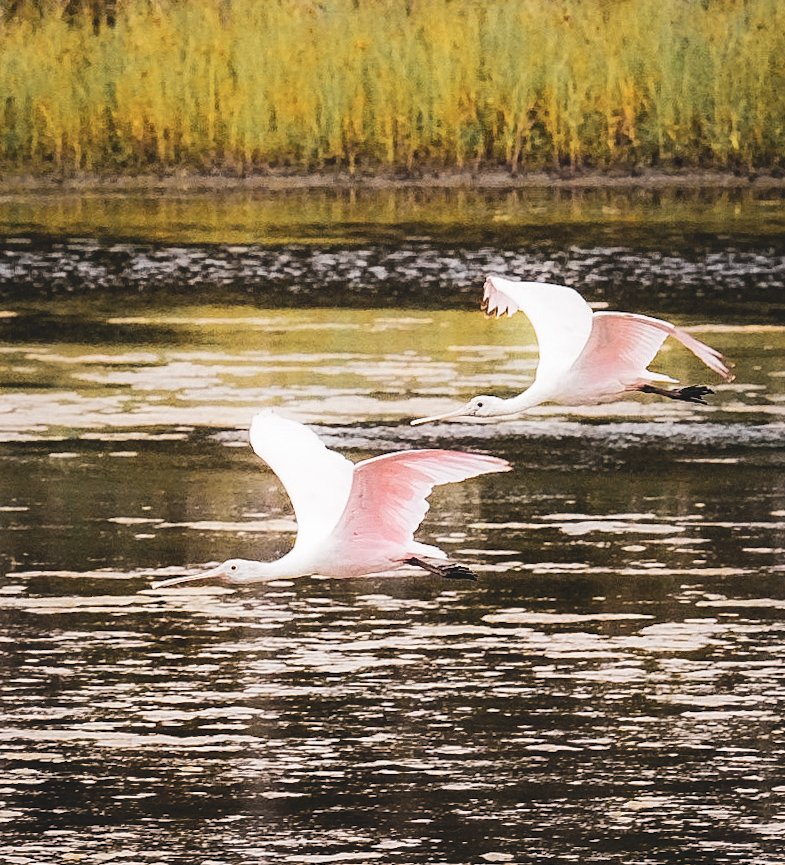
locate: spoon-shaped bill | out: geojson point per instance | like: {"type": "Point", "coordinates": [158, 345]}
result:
{"type": "Point", "coordinates": [213, 575]}
{"type": "Point", "coordinates": [458, 412]}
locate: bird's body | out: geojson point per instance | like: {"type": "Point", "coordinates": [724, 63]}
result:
{"type": "Point", "coordinates": [586, 357]}
{"type": "Point", "coordinates": [352, 519]}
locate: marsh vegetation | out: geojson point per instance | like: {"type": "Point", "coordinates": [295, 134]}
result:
{"type": "Point", "coordinates": [240, 86]}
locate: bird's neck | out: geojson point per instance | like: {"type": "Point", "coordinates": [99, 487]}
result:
{"type": "Point", "coordinates": [532, 396]}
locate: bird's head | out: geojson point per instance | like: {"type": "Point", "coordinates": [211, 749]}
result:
{"type": "Point", "coordinates": [478, 406]}
{"type": "Point", "coordinates": [229, 573]}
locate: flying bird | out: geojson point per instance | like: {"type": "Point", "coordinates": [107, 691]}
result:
{"type": "Point", "coordinates": [352, 520]}
{"type": "Point", "coordinates": [586, 357]}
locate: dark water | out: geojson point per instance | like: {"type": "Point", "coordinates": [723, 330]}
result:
{"type": "Point", "coordinates": [611, 690]}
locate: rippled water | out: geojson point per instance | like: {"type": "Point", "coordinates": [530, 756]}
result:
{"type": "Point", "coordinates": [611, 690]}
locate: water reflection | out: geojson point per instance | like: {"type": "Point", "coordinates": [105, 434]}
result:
{"type": "Point", "coordinates": [647, 218]}
{"type": "Point", "coordinates": [731, 280]}
{"type": "Point", "coordinates": [363, 719]}
{"type": "Point", "coordinates": [219, 364]}
{"type": "Point", "coordinates": [609, 691]}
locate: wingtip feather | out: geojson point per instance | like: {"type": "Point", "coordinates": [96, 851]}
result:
{"type": "Point", "coordinates": [478, 464]}
{"type": "Point", "coordinates": [710, 356]}
{"type": "Point", "coordinates": [494, 301]}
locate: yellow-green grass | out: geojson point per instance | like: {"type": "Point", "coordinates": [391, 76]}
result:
{"type": "Point", "coordinates": [239, 85]}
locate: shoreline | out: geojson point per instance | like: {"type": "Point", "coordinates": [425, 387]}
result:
{"type": "Point", "coordinates": [183, 182]}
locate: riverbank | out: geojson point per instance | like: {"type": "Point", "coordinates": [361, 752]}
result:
{"type": "Point", "coordinates": [186, 182]}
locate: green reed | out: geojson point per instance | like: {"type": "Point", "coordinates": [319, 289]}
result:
{"type": "Point", "coordinates": [242, 85]}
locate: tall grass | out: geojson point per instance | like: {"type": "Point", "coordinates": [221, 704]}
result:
{"type": "Point", "coordinates": [241, 85]}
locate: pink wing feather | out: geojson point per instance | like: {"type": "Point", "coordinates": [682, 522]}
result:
{"type": "Point", "coordinates": [388, 499]}
{"type": "Point", "coordinates": [623, 344]}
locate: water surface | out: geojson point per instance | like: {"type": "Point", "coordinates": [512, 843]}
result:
{"type": "Point", "coordinates": [609, 691]}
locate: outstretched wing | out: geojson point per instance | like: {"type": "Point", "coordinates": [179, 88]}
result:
{"type": "Point", "coordinates": [389, 495]}
{"type": "Point", "coordinates": [561, 318]}
{"type": "Point", "coordinates": [317, 479]}
{"type": "Point", "coordinates": [623, 344]}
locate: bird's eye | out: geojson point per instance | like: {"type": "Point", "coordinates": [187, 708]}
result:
{"type": "Point", "coordinates": [233, 568]}
{"type": "Point", "coordinates": [479, 405]}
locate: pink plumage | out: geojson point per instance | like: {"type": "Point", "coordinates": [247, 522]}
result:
{"type": "Point", "coordinates": [388, 501]}
{"type": "Point", "coordinates": [586, 357]}
{"type": "Point", "coordinates": [352, 519]}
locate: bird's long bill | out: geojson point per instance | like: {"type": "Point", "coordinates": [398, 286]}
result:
{"type": "Point", "coordinates": [458, 412]}
{"type": "Point", "coordinates": [214, 575]}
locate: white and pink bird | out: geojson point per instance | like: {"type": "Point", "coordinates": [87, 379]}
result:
{"type": "Point", "coordinates": [352, 520]}
{"type": "Point", "coordinates": [586, 357]}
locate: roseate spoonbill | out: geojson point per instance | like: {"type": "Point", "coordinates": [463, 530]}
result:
{"type": "Point", "coordinates": [586, 357]}
{"type": "Point", "coordinates": [352, 519]}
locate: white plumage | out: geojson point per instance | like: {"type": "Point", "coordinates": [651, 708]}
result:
{"type": "Point", "coordinates": [586, 357]}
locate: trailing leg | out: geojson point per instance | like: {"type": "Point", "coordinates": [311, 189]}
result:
{"type": "Point", "coordinates": [446, 570]}
{"type": "Point", "coordinates": [691, 393]}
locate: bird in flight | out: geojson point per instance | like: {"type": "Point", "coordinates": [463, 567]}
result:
{"type": "Point", "coordinates": [352, 520]}
{"type": "Point", "coordinates": [586, 357]}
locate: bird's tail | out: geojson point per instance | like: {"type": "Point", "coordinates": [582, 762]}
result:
{"type": "Point", "coordinates": [419, 551]}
